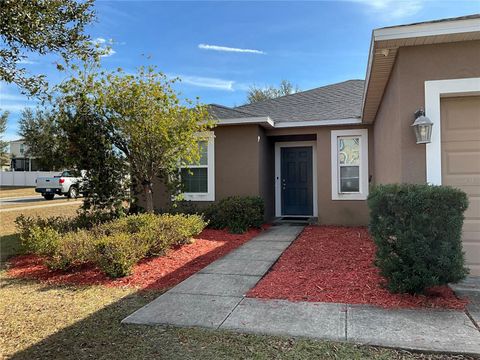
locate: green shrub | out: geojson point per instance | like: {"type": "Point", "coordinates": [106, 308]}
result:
{"type": "Point", "coordinates": [417, 230]}
{"type": "Point", "coordinates": [193, 226]}
{"type": "Point", "coordinates": [236, 213]}
{"type": "Point", "coordinates": [130, 224]}
{"type": "Point", "coordinates": [74, 248]}
{"type": "Point", "coordinates": [115, 245]}
{"type": "Point", "coordinates": [186, 207]}
{"type": "Point", "coordinates": [61, 224]}
{"type": "Point", "coordinates": [117, 254]}
{"type": "Point", "coordinates": [159, 232]}
{"type": "Point", "coordinates": [40, 240]}
{"type": "Point", "coordinates": [172, 230]}
{"type": "Point", "coordinates": [26, 224]}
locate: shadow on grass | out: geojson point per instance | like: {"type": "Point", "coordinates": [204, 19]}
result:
{"type": "Point", "coordinates": [9, 246]}
{"type": "Point", "coordinates": [100, 335]}
{"type": "Point", "coordinates": [88, 323]}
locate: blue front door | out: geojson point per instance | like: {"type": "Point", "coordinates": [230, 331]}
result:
{"type": "Point", "coordinates": [297, 180]}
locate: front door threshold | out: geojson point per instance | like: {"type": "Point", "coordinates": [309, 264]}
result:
{"type": "Point", "coordinates": [295, 219]}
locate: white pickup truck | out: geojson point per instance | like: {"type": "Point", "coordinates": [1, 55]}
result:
{"type": "Point", "coordinates": [67, 183]}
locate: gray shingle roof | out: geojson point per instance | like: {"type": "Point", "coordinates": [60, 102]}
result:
{"type": "Point", "coordinates": [331, 102]}
{"type": "Point", "coordinates": [223, 112]}
{"type": "Point", "coordinates": [465, 17]}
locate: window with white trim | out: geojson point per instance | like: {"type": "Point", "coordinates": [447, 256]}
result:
{"type": "Point", "coordinates": [198, 180]}
{"type": "Point", "coordinates": [349, 164]}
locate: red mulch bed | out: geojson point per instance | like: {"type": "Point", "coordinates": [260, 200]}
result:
{"type": "Point", "coordinates": [335, 264]}
{"type": "Point", "coordinates": [150, 274]}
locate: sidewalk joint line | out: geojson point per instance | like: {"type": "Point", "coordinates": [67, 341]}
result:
{"type": "Point", "coordinates": [203, 294]}
{"type": "Point", "coordinates": [346, 323]}
{"type": "Point", "coordinates": [477, 326]}
{"type": "Point", "coordinates": [216, 273]}
{"type": "Point", "coordinates": [230, 313]}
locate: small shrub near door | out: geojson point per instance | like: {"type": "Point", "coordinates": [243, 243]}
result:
{"type": "Point", "coordinates": [236, 213]}
{"type": "Point", "coordinates": [417, 230]}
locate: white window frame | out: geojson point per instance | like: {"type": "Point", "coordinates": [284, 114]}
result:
{"type": "Point", "coordinates": [210, 194]}
{"type": "Point", "coordinates": [362, 134]}
{"type": "Point", "coordinates": [434, 91]}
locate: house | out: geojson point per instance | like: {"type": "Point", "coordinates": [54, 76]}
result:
{"type": "Point", "coordinates": [315, 153]}
{"type": "Point", "coordinates": [20, 161]}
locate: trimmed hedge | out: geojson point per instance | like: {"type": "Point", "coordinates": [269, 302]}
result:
{"type": "Point", "coordinates": [118, 253]}
{"type": "Point", "coordinates": [417, 230]}
{"type": "Point", "coordinates": [115, 246]}
{"type": "Point", "coordinates": [235, 213]}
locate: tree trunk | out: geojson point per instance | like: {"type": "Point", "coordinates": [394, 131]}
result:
{"type": "Point", "coordinates": [147, 188]}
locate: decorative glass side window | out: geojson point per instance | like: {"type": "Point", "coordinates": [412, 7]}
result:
{"type": "Point", "coordinates": [349, 164]}
{"type": "Point", "coordinates": [195, 177]}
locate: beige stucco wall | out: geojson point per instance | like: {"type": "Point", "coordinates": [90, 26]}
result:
{"type": "Point", "coordinates": [236, 161]}
{"type": "Point", "coordinates": [240, 166]}
{"type": "Point", "coordinates": [333, 212]}
{"type": "Point", "coordinates": [266, 169]}
{"type": "Point", "coordinates": [397, 157]}
{"type": "Point", "coordinates": [245, 165]}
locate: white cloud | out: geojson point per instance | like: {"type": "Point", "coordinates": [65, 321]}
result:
{"type": "Point", "coordinates": [206, 82]}
{"type": "Point", "coordinates": [108, 52]}
{"type": "Point", "coordinates": [393, 9]}
{"type": "Point", "coordinates": [14, 108]}
{"type": "Point", "coordinates": [26, 62]}
{"type": "Point", "coordinates": [229, 49]}
{"type": "Point", "coordinates": [104, 46]}
{"type": "Point", "coordinates": [11, 100]}
{"type": "Point", "coordinates": [12, 97]}
{"type": "Point", "coordinates": [99, 40]}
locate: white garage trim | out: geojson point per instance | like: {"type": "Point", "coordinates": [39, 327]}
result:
{"type": "Point", "coordinates": [434, 90]}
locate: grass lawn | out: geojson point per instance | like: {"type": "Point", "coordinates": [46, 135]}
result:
{"type": "Point", "coordinates": [9, 241]}
{"type": "Point", "coordinates": [13, 191]}
{"type": "Point", "coordinates": [39, 321]}
{"type": "Point", "coordinates": [7, 218]}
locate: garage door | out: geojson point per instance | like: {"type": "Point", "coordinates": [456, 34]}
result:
{"type": "Point", "coordinates": [460, 119]}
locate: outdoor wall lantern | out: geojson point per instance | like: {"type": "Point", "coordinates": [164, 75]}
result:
{"type": "Point", "coordinates": [422, 127]}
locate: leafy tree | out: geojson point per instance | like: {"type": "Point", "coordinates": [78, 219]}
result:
{"type": "Point", "coordinates": [90, 148]}
{"type": "Point", "coordinates": [153, 130]}
{"type": "Point", "coordinates": [41, 26]}
{"type": "Point", "coordinates": [256, 94]}
{"type": "Point", "coordinates": [44, 137]}
{"type": "Point", "coordinates": [4, 159]}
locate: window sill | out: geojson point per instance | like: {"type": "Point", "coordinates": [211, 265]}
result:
{"type": "Point", "coordinates": [198, 197]}
{"type": "Point", "coordinates": [349, 197]}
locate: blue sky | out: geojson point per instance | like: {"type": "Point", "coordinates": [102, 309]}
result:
{"type": "Point", "coordinates": [221, 48]}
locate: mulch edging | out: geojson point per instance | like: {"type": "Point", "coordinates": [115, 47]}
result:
{"type": "Point", "coordinates": [335, 264]}
{"type": "Point", "coordinates": [150, 274]}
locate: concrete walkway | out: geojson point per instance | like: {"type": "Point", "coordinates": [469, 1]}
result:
{"type": "Point", "coordinates": [470, 288]}
{"type": "Point", "coordinates": [214, 298]}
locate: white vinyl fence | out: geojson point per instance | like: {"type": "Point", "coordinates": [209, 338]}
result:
{"type": "Point", "coordinates": [23, 178]}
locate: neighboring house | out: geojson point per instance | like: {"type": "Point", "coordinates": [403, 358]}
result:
{"type": "Point", "coordinates": [315, 153]}
{"type": "Point", "coordinates": [20, 161]}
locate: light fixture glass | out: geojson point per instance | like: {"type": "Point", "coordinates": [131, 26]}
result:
{"type": "Point", "coordinates": [422, 127]}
